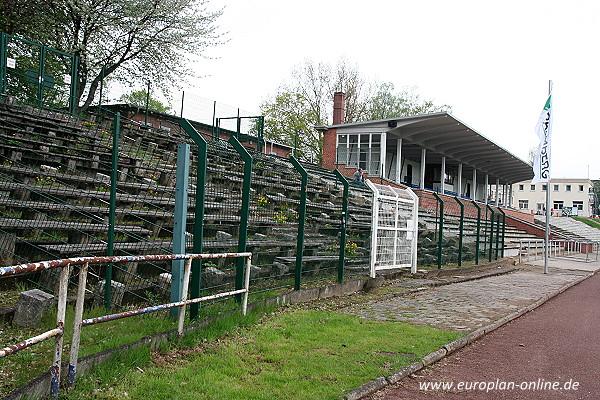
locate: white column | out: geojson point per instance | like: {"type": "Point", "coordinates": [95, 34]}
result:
{"type": "Point", "coordinates": [422, 178]}
{"type": "Point", "coordinates": [383, 145]}
{"type": "Point", "coordinates": [399, 160]}
{"type": "Point", "coordinates": [443, 174]}
{"type": "Point", "coordinates": [486, 185]}
{"type": "Point", "coordinates": [497, 190]}
{"type": "Point", "coordinates": [459, 191]}
{"type": "Point", "coordinates": [474, 185]}
{"type": "Point", "coordinates": [510, 195]}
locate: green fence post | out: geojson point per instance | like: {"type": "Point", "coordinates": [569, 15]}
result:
{"type": "Point", "coordinates": [41, 76]}
{"type": "Point", "coordinates": [114, 177]}
{"type": "Point", "coordinates": [497, 234]}
{"type": "Point", "coordinates": [344, 224]}
{"type": "Point", "coordinates": [181, 201]}
{"type": "Point", "coordinates": [491, 232]}
{"type": "Point", "coordinates": [198, 248]}
{"type": "Point", "coordinates": [440, 230]}
{"type": "Point", "coordinates": [460, 229]}
{"type": "Point", "coordinates": [3, 56]}
{"type": "Point", "coordinates": [261, 127]}
{"type": "Point", "coordinates": [74, 77]}
{"type": "Point", "coordinates": [503, 232]}
{"type": "Point", "coordinates": [244, 212]}
{"type": "Point", "coordinates": [477, 236]}
{"type": "Point", "coordinates": [301, 222]}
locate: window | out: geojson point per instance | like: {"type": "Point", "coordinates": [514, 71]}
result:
{"type": "Point", "coordinates": [544, 188]}
{"type": "Point", "coordinates": [521, 187]}
{"type": "Point", "coordinates": [523, 204]}
{"type": "Point", "coordinates": [541, 207]}
{"type": "Point", "coordinates": [360, 151]}
{"type": "Point", "coordinates": [556, 188]}
{"type": "Point", "coordinates": [558, 205]}
{"type": "Point", "coordinates": [533, 188]}
{"type": "Point", "coordinates": [578, 204]}
{"type": "Point", "coordinates": [581, 188]}
{"type": "Point", "coordinates": [568, 188]}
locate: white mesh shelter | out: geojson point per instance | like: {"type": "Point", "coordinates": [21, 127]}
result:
{"type": "Point", "coordinates": [394, 228]}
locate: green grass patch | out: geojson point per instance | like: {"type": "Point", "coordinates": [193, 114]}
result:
{"type": "Point", "coordinates": [299, 354]}
{"type": "Point", "coordinates": [587, 221]}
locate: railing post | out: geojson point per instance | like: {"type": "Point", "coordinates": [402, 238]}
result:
{"type": "Point", "coordinates": [198, 212]}
{"type": "Point", "coordinates": [244, 212]}
{"type": "Point", "coordinates": [460, 229]}
{"type": "Point", "coordinates": [3, 55]}
{"type": "Point", "coordinates": [77, 324]}
{"type": "Point", "coordinates": [497, 235]}
{"type": "Point", "coordinates": [491, 232]}
{"type": "Point", "coordinates": [502, 241]}
{"type": "Point", "coordinates": [343, 224]}
{"type": "Point", "coordinates": [440, 229]}
{"type": "Point", "coordinates": [60, 324]}
{"type": "Point", "coordinates": [114, 177]}
{"type": "Point", "coordinates": [186, 281]}
{"type": "Point", "coordinates": [301, 222]}
{"type": "Point", "coordinates": [477, 234]}
{"type": "Point", "coordinates": [180, 221]}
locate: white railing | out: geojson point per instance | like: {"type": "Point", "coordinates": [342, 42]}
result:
{"type": "Point", "coordinates": [578, 250]}
{"type": "Point", "coordinates": [79, 322]}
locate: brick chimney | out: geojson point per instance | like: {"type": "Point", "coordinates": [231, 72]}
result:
{"type": "Point", "coordinates": [339, 108]}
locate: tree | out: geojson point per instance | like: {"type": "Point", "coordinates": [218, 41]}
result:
{"type": "Point", "coordinates": [289, 119]}
{"type": "Point", "coordinates": [129, 40]}
{"type": "Point", "coordinates": [139, 97]}
{"type": "Point", "coordinates": [388, 104]}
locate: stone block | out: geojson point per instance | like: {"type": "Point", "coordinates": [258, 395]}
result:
{"type": "Point", "coordinates": [116, 293]}
{"type": "Point", "coordinates": [212, 276]}
{"type": "Point", "coordinates": [33, 304]}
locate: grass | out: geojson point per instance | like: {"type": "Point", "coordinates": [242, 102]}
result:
{"type": "Point", "coordinates": [297, 354]}
{"type": "Point", "coordinates": [587, 221]}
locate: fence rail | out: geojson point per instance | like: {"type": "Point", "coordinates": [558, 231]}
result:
{"type": "Point", "coordinates": [578, 250]}
{"type": "Point", "coordinates": [84, 262]}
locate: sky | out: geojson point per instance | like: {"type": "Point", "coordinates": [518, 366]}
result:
{"type": "Point", "coordinates": [490, 61]}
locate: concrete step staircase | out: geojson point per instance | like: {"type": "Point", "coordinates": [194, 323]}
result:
{"type": "Point", "coordinates": [570, 227]}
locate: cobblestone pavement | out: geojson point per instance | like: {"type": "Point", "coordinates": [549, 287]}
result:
{"type": "Point", "coordinates": [468, 305]}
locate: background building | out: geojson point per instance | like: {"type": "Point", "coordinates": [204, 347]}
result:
{"type": "Point", "coordinates": [567, 197]}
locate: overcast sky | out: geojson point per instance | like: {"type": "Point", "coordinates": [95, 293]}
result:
{"type": "Point", "coordinates": [490, 61]}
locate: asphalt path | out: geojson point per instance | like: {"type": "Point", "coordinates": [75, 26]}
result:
{"type": "Point", "coordinates": [552, 352]}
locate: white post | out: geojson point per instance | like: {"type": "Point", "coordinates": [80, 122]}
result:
{"type": "Point", "coordinates": [460, 171]}
{"type": "Point", "coordinates": [77, 324]}
{"type": "Point", "coordinates": [497, 191]}
{"type": "Point", "coordinates": [383, 149]}
{"type": "Point", "coordinates": [422, 178]}
{"type": "Point", "coordinates": [443, 175]}
{"type": "Point", "coordinates": [474, 185]}
{"type": "Point", "coordinates": [486, 186]}
{"type": "Point", "coordinates": [184, 292]}
{"type": "Point", "coordinates": [246, 286]}
{"type": "Point", "coordinates": [374, 224]}
{"type": "Point", "coordinates": [60, 324]}
{"type": "Point", "coordinates": [399, 160]}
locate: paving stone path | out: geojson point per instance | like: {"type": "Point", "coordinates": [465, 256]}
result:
{"type": "Point", "coordinates": [468, 305]}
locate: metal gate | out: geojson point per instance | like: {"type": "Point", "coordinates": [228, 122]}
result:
{"type": "Point", "coordinates": [394, 228]}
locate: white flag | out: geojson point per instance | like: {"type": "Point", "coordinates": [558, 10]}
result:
{"type": "Point", "coordinates": [543, 128]}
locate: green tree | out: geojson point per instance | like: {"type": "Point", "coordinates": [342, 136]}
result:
{"type": "Point", "coordinates": [289, 119]}
{"type": "Point", "coordinates": [386, 103]}
{"type": "Point", "coordinates": [139, 97]}
{"type": "Point", "coordinates": [131, 41]}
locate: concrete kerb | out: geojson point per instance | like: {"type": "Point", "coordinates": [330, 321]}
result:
{"type": "Point", "coordinates": [455, 345]}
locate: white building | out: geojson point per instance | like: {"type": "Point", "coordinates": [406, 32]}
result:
{"type": "Point", "coordinates": [567, 197]}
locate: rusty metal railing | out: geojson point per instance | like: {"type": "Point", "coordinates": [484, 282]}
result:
{"type": "Point", "coordinates": [79, 322]}
{"type": "Point", "coordinates": [578, 250]}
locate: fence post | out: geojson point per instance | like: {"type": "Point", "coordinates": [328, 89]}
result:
{"type": "Point", "coordinates": [460, 230]}
{"type": "Point", "coordinates": [477, 236]}
{"type": "Point", "coordinates": [198, 213]}
{"type": "Point", "coordinates": [440, 229]}
{"type": "Point", "coordinates": [114, 177]}
{"type": "Point", "coordinates": [60, 324]}
{"type": "Point", "coordinates": [301, 222]}
{"type": "Point", "coordinates": [181, 200]}
{"type": "Point", "coordinates": [3, 44]}
{"type": "Point", "coordinates": [503, 232]}
{"type": "Point", "coordinates": [74, 78]}
{"type": "Point", "coordinates": [244, 212]}
{"type": "Point", "coordinates": [83, 271]}
{"type": "Point", "coordinates": [344, 224]}
{"type": "Point", "coordinates": [491, 249]}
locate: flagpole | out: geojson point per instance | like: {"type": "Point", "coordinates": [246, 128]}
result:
{"type": "Point", "coordinates": [547, 237]}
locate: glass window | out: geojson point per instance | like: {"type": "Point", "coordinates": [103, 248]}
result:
{"type": "Point", "coordinates": [578, 205]}
{"type": "Point", "coordinates": [544, 187]}
{"type": "Point", "coordinates": [568, 188]}
{"type": "Point", "coordinates": [360, 151]}
{"type": "Point", "coordinates": [581, 188]}
{"type": "Point", "coordinates": [556, 188]}
{"type": "Point", "coordinates": [342, 149]}
{"type": "Point", "coordinates": [524, 204]}
{"type": "Point", "coordinates": [558, 205]}
{"type": "Point", "coordinates": [521, 187]}
{"type": "Point", "coordinates": [533, 188]}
